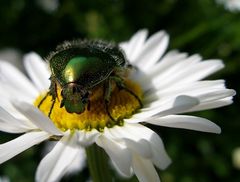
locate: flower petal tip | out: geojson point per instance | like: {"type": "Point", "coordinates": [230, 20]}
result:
{"type": "Point", "coordinates": [218, 130]}
{"type": "Point", "coordinates": [168, 162]}
{"type": "Point", "coordinates": [233, 92]}
{"type": "Point", "coordinates": [143, 31]}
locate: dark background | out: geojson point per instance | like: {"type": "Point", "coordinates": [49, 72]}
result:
{"type": "Point", "coordinates": [199, 26]}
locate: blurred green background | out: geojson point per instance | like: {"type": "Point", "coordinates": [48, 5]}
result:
{"type": "Point", "coordinates": [199, 26]}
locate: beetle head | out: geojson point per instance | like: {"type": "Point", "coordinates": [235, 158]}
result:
{"type": "Point", "coordinates": [75, 98]}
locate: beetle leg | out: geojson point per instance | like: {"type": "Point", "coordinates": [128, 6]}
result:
{"type": "Point", "coordinates": [133, 94]}
{"type": "Point", "coordinates": [120, 84]}
{"type": "Point", "coordinates": [50, 112]}
{"type": "Point", "coordinates": [53, 88]}
{"type": "Point", "coordinates": [107, 110]}
{"type": "Point", "coordinates": [43, 99]}
{"type": "Point", "coordinates": [107, 96]}
{"type": "Point", "coordinates": [53, 93]}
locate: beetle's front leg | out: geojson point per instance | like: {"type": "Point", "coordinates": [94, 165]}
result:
{"type": "Point", "coordinates": [44, 98]}
{"type": "Point", "coordinates": [53, 87]}
{"type": "Point", "coordinates": [53, 92]}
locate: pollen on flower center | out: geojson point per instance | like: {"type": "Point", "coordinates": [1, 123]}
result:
{"type": "Point", "coordinates": [122, 105]}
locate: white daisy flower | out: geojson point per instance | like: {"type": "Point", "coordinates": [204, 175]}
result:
{"type": "Point", "coordinates": [231, 5]}
{"type": "Point", "coordinates": [168, 85]}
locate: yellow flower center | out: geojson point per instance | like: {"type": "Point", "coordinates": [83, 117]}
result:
{"type": "Point", "coordinates": [123, 104]}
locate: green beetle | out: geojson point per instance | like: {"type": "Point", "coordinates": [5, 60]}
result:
{"type": "Point", "coordinates": [79, 66]}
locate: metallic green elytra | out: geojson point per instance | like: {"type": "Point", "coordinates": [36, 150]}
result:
{"type": "Point", "coordinates": [87, 71]}
{"type": "Point", "coordinates": [79, 66]}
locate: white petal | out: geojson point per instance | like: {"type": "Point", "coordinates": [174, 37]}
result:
{"type": "Point", "coordinates": [171, 58]}
{"type": "Point", "coordinates": [212, 104]}
{"type": "Point", "coordinates": [153, 50]}
{"type": "Point", "coordinates": [11, 93]}
{"type": "Point", "coordinates": [86, 138]}
{"type": "Point", "coordinates": [163, 69]}
{"type": "Point", "coordinates": [207, 92]}
{"type": "Point", "coordinates": [18, 145]}
{"type": "Point", "coordinates": [144, 170]}
{"type": "Point", "coordinates": [132, 139]}
{"type": "Point", "coordinates": [37, 70]}
{"type": "Point", "coordinates": [118, 153]}
{"type": "Point", "coordinates": [186, 122]}
{"type": "Point", "coordinates": [159, 155]}
{"type": "Point", "coordinates": [201, 70]}
{"type": "Point", "coordinates": [216, 95]}
{"type": "Point", "coordinates": [10, 75]}
{"type": "Point", "coordinates": [134, 46]}
{"type": "Point", "coordinates": [191, 89]}
{"type": "Point", "coordinates": [77, 164]}
{"type": "Point", "coordinates": [176, 105]}
{"type": "Point", "coordinates": [7, 105]}
{"type": "Point", "coordinates": [11, 128]}
{"type": "Point", "coordinates": [212, 98]}
{"type": "Point", "coordinates": [10, 124]}
{"type": "Point", "coordinates": [164, 76]}
{"type": "Point", "coordinates": [37, 117]}
{"type": "Point", "coordinates": [145, 78]}
{"type": "Point", "coordinates": [55, 164]}
{"type": "Point", "coordinates": [124, 46]}
{"type": "Point", "coordinates": [187, 74]}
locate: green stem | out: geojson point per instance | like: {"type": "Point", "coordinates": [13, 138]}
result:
{"type": "Point", "coordinates": [98, 164]}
